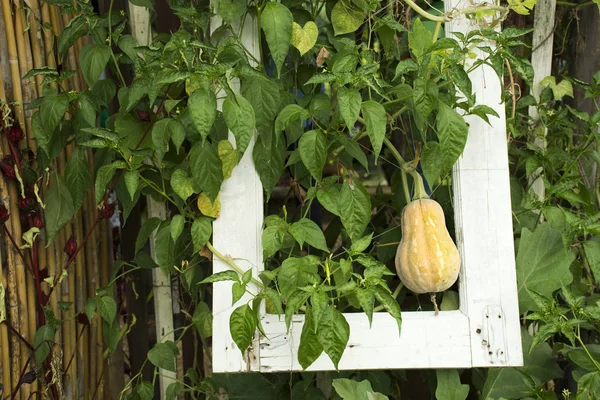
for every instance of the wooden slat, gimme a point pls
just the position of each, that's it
(488, 284)
(426, 341)
(237, 233)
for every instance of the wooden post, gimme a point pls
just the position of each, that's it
(163, 299)
(541, 60)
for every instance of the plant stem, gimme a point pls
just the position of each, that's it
(229, 261)
(423, 13)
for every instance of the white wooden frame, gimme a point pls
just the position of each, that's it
(484, 332)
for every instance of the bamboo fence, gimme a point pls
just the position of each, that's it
(26, 42)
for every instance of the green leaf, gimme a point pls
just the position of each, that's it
(242, 324)
(165, 130)
(76, 28)
(354, 150)
(360, 245)
(269, 160)
(272, 239)
(59, 208)
(52, 110)
(107, 308)
(146, 230)
(333, 334)
(588, 385)
(542, 264)
(132, 181)
(164, 248)
(425, 99)
(297, 272)
(104, 176)
(239, 118)
(376, 120)
(452, 131)
(229, 10)
(265, 100)
(366, 299)
(228, 275)
(163, 355)
(237, 291)
(352, 390)
(90, 308)
(182, 184)
(276, 22)
(508, 382)
(449, 386)
(329, 197)
(320, 302)
(304, 38)
(43, 342)
(144, 390)
(104, 91)
(93, 59)
(173, 390)
(176, 226)
(432, 162)
(419, 39)
(292, 113)
(202, 106)
(202, 320)
(77, 177)
(307, 231)
(313, 152)
(201, 231)
(309, 349)
(390, 304)
(206, 167)
(355, 208)
(349, 102)
(346, 18)
(404, 67)
(592, 254)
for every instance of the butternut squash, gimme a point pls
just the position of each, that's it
(427, 260)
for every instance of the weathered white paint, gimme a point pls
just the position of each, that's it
(483, 220)
(237, 232)
(484, 332)
(161, 282)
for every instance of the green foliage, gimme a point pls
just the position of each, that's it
(339, 94)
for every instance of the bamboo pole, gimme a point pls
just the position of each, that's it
(92, 286)
(5, 354)
(37, 49)
(13, 61)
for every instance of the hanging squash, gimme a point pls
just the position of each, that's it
(427, 260)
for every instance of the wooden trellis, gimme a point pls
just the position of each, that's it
(484, 332)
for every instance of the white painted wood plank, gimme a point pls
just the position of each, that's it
(426, 341)
(139, 18)
(237, 233)
(483, 220)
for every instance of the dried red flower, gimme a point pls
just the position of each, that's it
(143, 115)
(107, 211)
(26, 203)
(3, 213)
(70, 247)
(82, 318)
(7, 167)
(37, 221)
(15, 133)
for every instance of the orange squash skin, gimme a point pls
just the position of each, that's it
(427, 260)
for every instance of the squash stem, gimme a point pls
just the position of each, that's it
(420, 192)
(435, 306)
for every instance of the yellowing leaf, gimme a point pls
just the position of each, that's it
(521, 6)
(207, 207)
(346, 18)
(304, 38)
(564, 88)
(229, 157)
